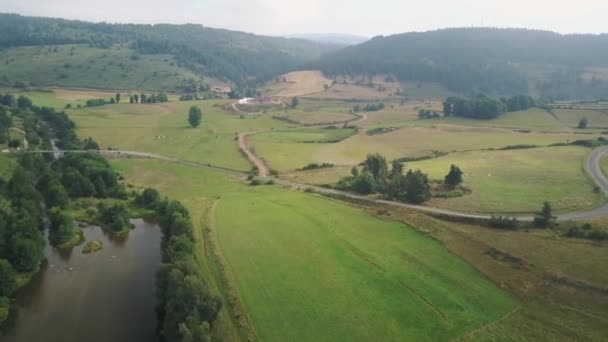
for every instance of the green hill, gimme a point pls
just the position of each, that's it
(118, 67)
(493, 61)
(45, 51)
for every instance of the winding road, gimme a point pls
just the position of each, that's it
(592, 167)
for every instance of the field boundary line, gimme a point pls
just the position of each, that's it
(489, 325)
(236, 309)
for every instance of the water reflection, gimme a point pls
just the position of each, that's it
(108, 295)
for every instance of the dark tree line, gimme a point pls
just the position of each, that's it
(143, 98)
(482, 107)
(371, 107)
(187, 309)
(21, 239)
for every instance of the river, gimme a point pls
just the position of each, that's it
(109, 295)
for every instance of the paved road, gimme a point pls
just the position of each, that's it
(592, 167)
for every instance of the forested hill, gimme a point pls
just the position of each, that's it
(238, 57)
(470, 60)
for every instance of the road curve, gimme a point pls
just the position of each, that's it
(592, 167)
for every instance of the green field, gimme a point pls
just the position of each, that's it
(517, 180)
(366, 278)
(118, 67)
(163, 128)
(288, 154)
(511, 181)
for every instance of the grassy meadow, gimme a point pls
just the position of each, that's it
(517, 180)
(163, 128)
(286, 155)
(366, 278)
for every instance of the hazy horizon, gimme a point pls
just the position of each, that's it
(274, 17)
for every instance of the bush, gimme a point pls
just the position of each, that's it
(503, 222)
(315, 166)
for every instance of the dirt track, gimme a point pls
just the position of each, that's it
(259, 163)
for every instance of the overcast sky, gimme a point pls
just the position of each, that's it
(361, 17)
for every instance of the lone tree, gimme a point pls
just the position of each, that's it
(583, 123)
(194, 116)
(117, 97)
(545, 217)
(454, 177)
(295, 102)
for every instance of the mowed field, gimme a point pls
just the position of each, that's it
(406, 142)
(517, 180)
(297, 83)
(312, 269)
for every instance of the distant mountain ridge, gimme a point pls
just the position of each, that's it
(331, 38)
(241, 58)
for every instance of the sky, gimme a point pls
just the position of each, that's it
(360, 17)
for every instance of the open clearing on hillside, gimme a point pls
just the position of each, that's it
(297, 83)
(58, 98)
(329, 271)
(75, 65)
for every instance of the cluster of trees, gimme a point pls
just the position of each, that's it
(412, 187)
(482, 107)
(114, 216)
(371, 107)
(587, 231)
(143, 98)
(427, 114)
(62, 227)
(88, 175)
(187, 309)
(21, 239)
(6, 122)
(518, 102)
(152, 98)
(375, 176)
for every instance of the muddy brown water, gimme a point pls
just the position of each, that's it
(109, 295)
